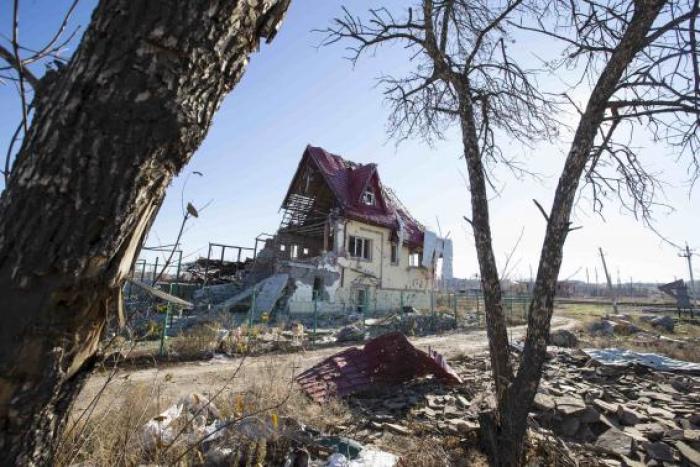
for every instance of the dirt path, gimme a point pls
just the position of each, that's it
(208, 377)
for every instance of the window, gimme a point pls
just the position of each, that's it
(394, 253)
(368, 197)
(359, 247)
(294, 254)
(414, 259)
(283, 247)
(305, 252)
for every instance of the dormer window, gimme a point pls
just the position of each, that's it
(368, 197)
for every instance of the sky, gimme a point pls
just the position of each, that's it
(296, 93)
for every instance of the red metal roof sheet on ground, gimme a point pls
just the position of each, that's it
(387, 359)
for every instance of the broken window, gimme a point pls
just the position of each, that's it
(294, 254)
(283, 247)
(305, 252)
(368, 197)
(359, 247)
(415, 258)
(394, 253)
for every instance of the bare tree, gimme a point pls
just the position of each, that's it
(108, 131)
(464, 73)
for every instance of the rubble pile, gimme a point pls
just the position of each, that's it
(607, 415)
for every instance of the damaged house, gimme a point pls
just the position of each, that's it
(347, 242)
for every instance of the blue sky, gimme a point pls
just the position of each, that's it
(295, 93)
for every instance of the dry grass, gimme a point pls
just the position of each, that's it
(682, 343)
(112, 435)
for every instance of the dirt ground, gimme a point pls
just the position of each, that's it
(208, 377)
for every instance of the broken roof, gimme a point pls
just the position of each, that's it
(348, 180)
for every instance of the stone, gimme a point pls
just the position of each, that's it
(625, 328)
(660, 451)
(664, 322)
(563, 338)
(614, 440)
(568, 426)
(688, 453)
(605, 406)
(569, 405)
(397, 429)
(462, 401)
(463, 426)
(659, 412)
(544, 402)
(350, 333)
(628, 416)
(603, 327)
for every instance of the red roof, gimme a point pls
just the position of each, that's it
(347, 180)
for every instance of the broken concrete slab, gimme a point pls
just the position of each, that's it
(616, 441)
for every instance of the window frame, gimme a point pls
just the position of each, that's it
(419, 256)
(369, 198)
(365, 248)
(394, 256)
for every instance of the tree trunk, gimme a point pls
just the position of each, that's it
(109, 132)
(493, 431)
(506, 432)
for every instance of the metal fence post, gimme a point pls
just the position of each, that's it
(401, 300)
(313, 336)
(454, 297)
(163, 334)
(250, 312)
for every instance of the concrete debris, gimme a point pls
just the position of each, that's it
(563, 338)
(389, 359)
(621, 357)
(349, 333)
(606, 414)
(267, 293)
(665, 322)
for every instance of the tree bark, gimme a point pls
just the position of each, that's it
(507, 430)
(110, 131)
(497, 436)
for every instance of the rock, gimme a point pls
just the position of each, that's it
(628, 416)
(660, 451)
(568, 426)
(397, 429)
(602, 327)
(463, 402)
(625, 328)
(682, 384)
(544, 402)
(659, 412)
(683, 435)
(665, 322)
(614, 440)
(569, 405)
(605, 406)
(462, 426)
(563, 338)
(350, 333)
(619, 317)
(688, 453)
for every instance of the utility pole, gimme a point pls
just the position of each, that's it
(607, 277)
(596, 280)
(588, 283)
(688, 255)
